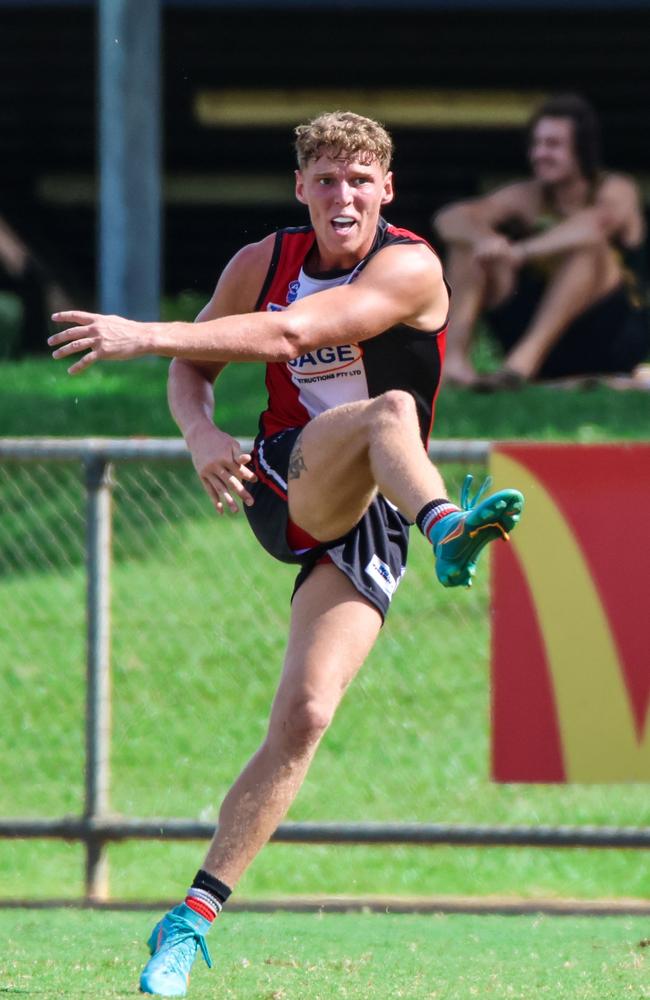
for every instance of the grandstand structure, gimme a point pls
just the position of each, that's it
(453, 81)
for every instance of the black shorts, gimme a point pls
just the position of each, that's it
(611, 336)
(372, 555)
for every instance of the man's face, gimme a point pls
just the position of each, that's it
(552, 151)
(344, 198)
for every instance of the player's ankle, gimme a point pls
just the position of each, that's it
(433, 513)
(207, 895)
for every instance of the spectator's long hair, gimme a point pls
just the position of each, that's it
(586, 129)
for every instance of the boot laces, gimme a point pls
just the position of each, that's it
(182, 946)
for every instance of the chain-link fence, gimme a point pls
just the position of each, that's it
(198, 617)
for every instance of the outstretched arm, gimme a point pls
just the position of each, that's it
(402, 284)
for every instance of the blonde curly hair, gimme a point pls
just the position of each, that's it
(345, 136)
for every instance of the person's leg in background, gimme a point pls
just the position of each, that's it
(475, 286)
(583, 277)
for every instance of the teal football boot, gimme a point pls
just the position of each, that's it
(173, 944)
(459, 537)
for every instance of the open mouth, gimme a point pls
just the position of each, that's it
(343, 224)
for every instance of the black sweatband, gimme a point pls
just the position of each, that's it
(203, 880)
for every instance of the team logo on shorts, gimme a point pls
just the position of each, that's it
(381, 574)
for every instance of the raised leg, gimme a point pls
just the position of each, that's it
(346, 455)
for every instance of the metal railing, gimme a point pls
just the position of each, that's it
(98, 826)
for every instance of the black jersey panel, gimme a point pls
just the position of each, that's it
(404, 358)
(270, 274)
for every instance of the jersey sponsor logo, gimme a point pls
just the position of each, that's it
(325, 361)
(378, 571)
(273, 307)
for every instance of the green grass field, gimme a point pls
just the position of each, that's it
(67, 953)
(411, 741)
(38, 398)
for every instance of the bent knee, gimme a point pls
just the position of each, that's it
(303, 723)
(595, 251)
(396, 404)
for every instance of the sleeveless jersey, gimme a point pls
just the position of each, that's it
(398, 358)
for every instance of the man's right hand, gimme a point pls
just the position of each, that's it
(222, 467)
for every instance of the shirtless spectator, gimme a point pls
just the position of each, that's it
(554, 264)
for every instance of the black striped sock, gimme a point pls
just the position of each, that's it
(207, 895)
(432, 512)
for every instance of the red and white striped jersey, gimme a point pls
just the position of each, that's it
(398, 358)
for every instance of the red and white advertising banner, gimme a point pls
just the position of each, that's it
(571, 616)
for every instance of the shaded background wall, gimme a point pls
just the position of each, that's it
(472, 75)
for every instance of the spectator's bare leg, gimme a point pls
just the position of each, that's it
(583, 278)
(40, 294)
(475, 286)
(13, 252)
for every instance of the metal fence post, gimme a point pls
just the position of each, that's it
(98, 686)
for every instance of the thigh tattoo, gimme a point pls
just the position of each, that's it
(296, 462)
